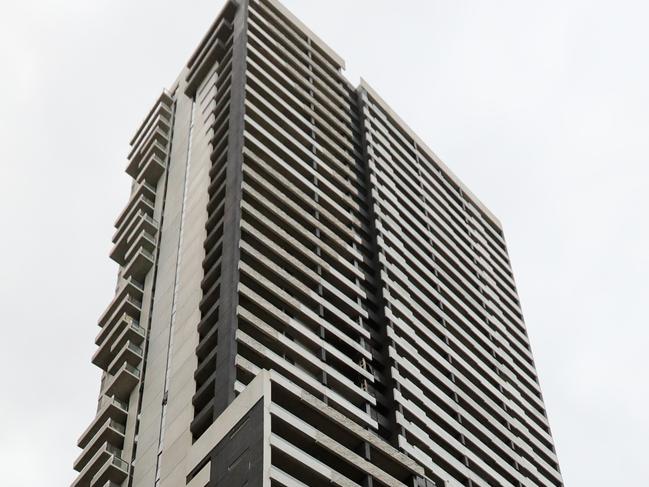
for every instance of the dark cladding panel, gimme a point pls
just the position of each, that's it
(237, 460)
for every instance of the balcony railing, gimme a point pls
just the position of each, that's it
(124, 303)
(157, 132)
(104, 456)
(143, 240)
(133, 226)
(152, 168)
(155, 141)
(126, 330)
(138, 202)
(114, 472)
(139, 167)
(129, 352)
(143, 190)
(161, 109)
(110, 408)
(140, 261)
(113, 331)
(110, 432)
(123, 382)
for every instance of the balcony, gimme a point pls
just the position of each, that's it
(142, 199)
(152, 169)
(127, 298)
(110, 409)
(140, 260)
(106, 455)
(126, 301)
(155, 135)
(109, 433)
(123, 382)
(140, 167)
(129, 353)
(157, 131)
(113, 473)
(161, 110)
(110, 333)
(128, 232)
(126, 330)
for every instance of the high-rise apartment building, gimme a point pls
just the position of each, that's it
(307, 296)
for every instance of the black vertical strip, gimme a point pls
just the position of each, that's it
(238, 458)
(388, 380)
(229, 300)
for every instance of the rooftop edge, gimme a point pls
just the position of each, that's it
(366, 86)
(308, 32)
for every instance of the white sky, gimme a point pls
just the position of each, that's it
(541, 108)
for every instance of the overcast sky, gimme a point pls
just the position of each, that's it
(541, 108)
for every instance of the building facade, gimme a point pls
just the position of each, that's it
(307, 296)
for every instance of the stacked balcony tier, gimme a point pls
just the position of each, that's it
(121, 340)
(110, 409)
(126, 306)
(100, 460)
(106, 465)
(135, 240)
(150, 145)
